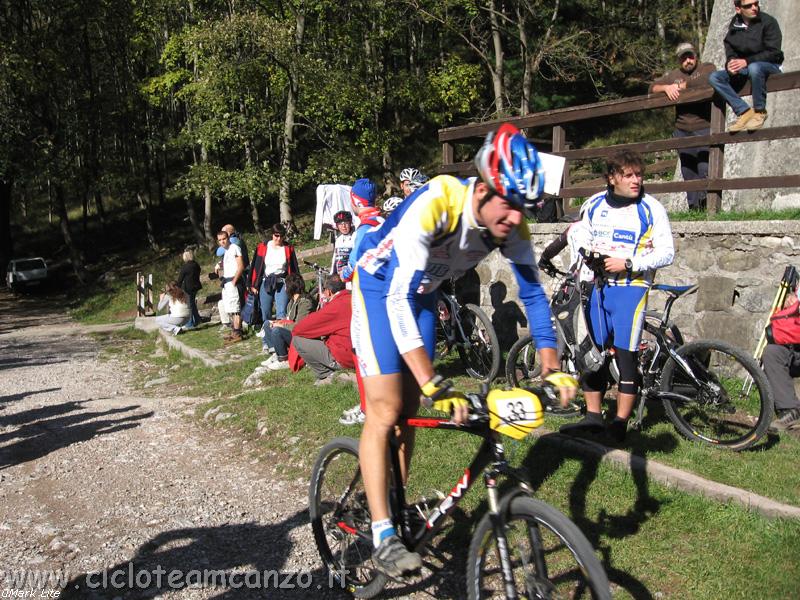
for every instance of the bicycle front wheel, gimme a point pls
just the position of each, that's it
(479, 350)
(724, 408)
(341, 521)
(549, 556)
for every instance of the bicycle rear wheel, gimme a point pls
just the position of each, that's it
(723, 409)
(550, 557)
(340, 519)
(480, 350)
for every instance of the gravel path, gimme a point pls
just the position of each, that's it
(94, 479)
(107, 494)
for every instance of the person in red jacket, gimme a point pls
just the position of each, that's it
(781, 360)
(322, 339)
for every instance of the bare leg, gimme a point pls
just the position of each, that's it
(593, 401)
(624, 404)
(384, 406)
(406, 435)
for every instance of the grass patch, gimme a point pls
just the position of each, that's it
(788, 214)
(654, 541)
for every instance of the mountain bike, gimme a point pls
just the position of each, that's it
(521, 548)
(703, 385)
(468, 330)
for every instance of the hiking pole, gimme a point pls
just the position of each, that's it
(788, 284)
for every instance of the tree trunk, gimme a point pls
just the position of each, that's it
(527, 79)
(210, 238)
(197, 230)
(6, 241)
(74, 253)
(288, 128)
(98, 204)
(497, 71)
(144, 204)
(248, 159)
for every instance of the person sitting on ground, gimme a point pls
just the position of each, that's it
(189, 282)
(752, 51)
(230, 278)
(322, 339)
(179, 313)
(273, 261)
(781, 359)
(278, 333)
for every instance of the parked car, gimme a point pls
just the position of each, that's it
(26, 272)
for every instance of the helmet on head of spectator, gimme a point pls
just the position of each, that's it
(391, 203)
(343, 216)
(510, 166)
(362, 194)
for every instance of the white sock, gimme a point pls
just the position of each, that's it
(381, 530)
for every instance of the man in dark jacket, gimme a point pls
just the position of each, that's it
(322, 339)
(691, 119)
(752, 51)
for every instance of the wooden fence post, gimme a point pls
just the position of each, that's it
(716, 156)
(559, 145)
(150, 294)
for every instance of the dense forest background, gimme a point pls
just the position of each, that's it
(109, 107)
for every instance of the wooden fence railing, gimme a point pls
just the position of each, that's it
(144, 294)
(716, 140)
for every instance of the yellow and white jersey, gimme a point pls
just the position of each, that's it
(433, 236)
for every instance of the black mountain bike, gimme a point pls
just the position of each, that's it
(703, 385)
(468, 330)
(521, 548)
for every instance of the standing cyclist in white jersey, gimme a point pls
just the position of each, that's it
(443, 229)
(631, 232)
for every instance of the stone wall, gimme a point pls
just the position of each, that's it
(737, 264)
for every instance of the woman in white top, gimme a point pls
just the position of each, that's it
(273, 260)
(179, 311)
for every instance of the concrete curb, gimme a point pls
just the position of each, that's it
(672, 477)
(149, 324)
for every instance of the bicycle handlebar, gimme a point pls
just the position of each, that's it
(315, 266)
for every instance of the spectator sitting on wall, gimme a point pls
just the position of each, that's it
(322, 339)
(752, 51)
(179, 313)
(278, 333)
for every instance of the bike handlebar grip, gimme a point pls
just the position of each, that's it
(434, 389)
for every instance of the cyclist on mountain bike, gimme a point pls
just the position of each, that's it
(439, 232)
(630, 233)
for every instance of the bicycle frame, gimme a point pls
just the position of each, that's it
(489, 460)
(451, 323)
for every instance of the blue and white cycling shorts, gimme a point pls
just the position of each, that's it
(375, 348)
(618, 312)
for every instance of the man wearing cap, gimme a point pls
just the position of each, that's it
(752, 51)
(691, 119)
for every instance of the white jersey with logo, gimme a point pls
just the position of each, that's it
(639, 231)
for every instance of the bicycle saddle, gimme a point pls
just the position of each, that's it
(676, 290)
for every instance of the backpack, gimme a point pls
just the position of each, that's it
(569, 309)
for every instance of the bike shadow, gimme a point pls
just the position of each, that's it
(553, 451)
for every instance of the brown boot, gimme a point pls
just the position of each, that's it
(741, 123)
(235, 337)
(757, 120)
